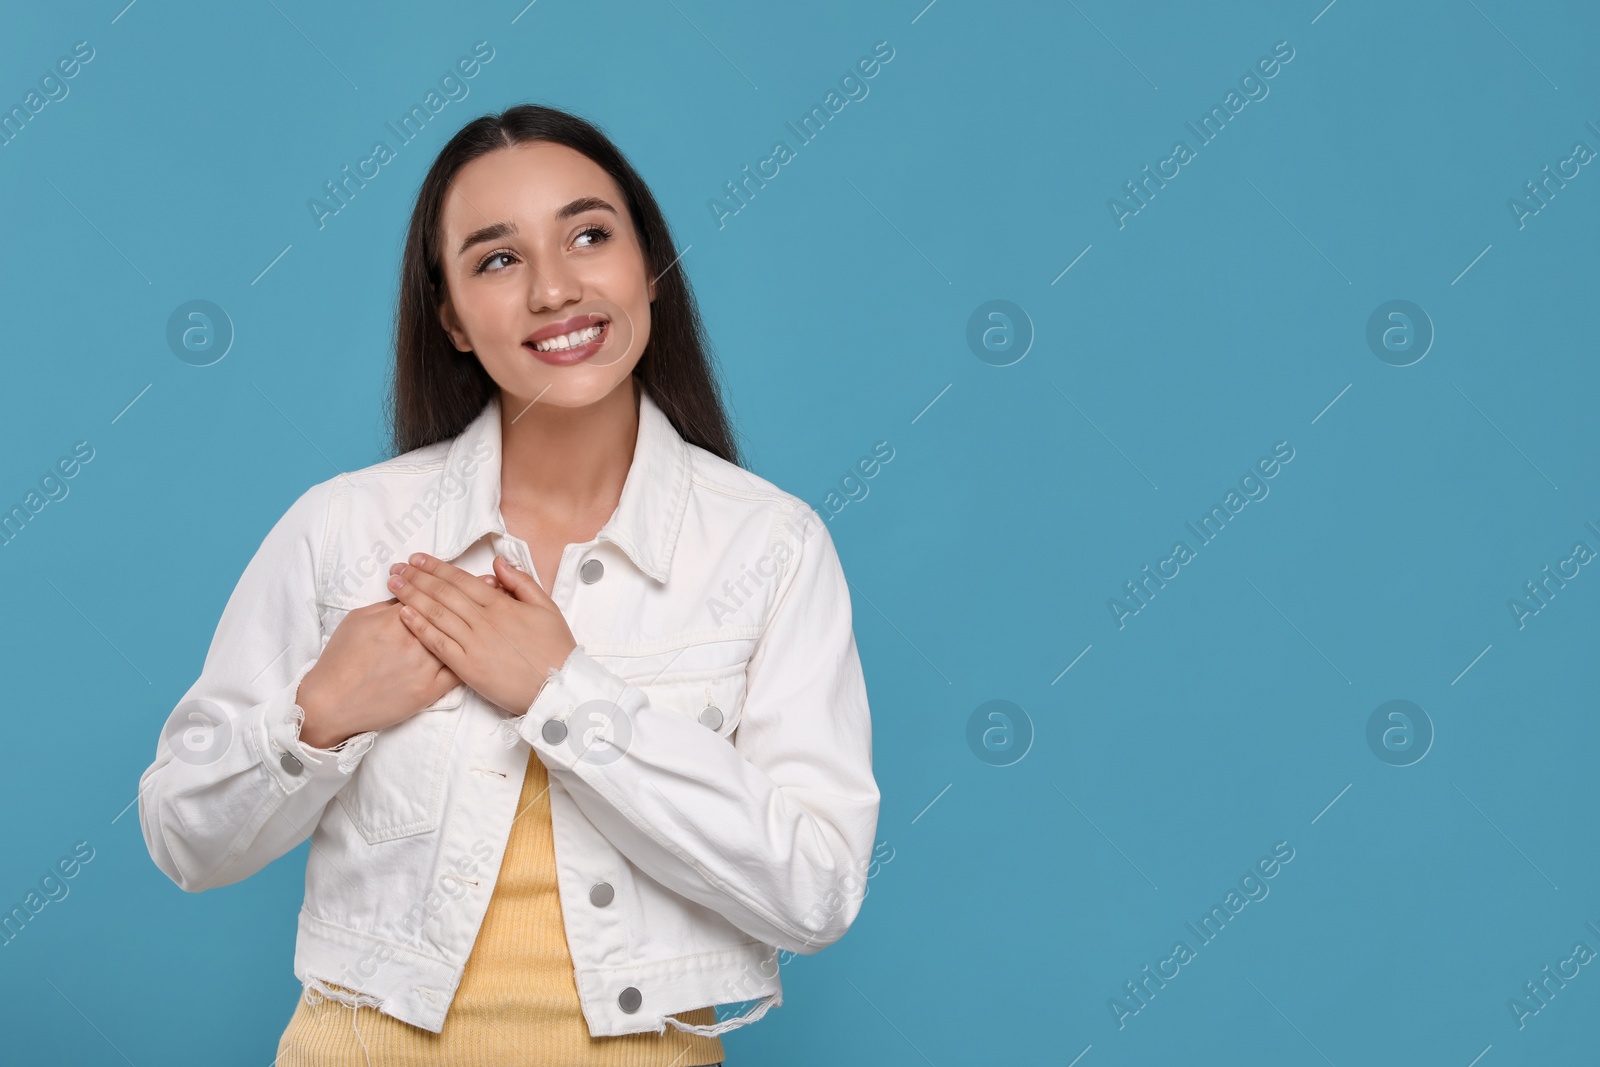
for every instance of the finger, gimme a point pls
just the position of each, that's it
(444, 648)
(488, 579)
(403, 566)
(450, 574)
(467, 605)
(410, 631)
(434, 611)
(519, 583)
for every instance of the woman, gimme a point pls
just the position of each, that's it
(568, 701)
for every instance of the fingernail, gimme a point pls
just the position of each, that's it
(395, 581)
(418, 559)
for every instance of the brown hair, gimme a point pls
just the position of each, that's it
(437, 389)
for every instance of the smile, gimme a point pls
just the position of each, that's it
(570, 340)
(574, 346)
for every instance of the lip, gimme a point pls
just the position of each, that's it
(569, 356)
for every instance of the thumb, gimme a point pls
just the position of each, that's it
(518, 583)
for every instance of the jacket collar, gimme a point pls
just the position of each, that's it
(649, 514)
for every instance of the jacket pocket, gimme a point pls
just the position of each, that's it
(714, 699)
(398, 788)
(330, 616)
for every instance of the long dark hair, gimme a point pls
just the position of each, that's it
(437, 389)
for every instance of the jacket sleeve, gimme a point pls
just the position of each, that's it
(774, 831)
(232, 787)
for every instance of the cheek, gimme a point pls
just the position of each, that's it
(641, 324)
(626, 303)
(622, 284)
(495, 322)
(478, 307)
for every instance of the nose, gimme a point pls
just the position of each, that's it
(553, 283)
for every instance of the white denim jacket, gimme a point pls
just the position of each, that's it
(708, 743)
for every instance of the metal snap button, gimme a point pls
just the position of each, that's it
(711, 717)
(591, 571)
(602, 894)
(291, 763)
(630, 999)
(554, 731)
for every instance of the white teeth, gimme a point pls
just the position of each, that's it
(570, 340)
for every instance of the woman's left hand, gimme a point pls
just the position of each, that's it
(499, 641)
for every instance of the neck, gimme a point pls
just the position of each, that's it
(563, 463)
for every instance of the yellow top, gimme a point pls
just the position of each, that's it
(518, 999)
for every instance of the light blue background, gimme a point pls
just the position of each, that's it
(1229, 314)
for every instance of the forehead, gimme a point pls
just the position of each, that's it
(524, 183)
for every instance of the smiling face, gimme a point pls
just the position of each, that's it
(545, 278)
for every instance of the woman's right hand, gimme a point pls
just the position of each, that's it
(373, 673)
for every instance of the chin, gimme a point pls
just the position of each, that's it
(568, 387)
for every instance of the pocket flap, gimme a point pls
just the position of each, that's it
(715, 701)
(451, 700)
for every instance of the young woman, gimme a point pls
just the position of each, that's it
(568, 702)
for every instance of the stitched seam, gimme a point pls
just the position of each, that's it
(398, 466)
(695, 639)
(319, 563)
(786, 583)
(688, 961)
(705, 481)
(709, 674)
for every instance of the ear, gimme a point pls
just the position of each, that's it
(447, 319)
(652, 290)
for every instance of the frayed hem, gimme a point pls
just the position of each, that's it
(507, 730)
(772, 1000)
(317, 990)
(347, 755)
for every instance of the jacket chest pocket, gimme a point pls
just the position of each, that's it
(714, 699)
(398, 788)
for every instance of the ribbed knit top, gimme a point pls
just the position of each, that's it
(518, 1000)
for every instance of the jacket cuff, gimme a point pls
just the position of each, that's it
(548, 724)
(293, 762)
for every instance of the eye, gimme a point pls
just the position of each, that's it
(605, 234)
(600, 233)
(483, 264)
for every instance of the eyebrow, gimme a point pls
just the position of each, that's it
(497, 230)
